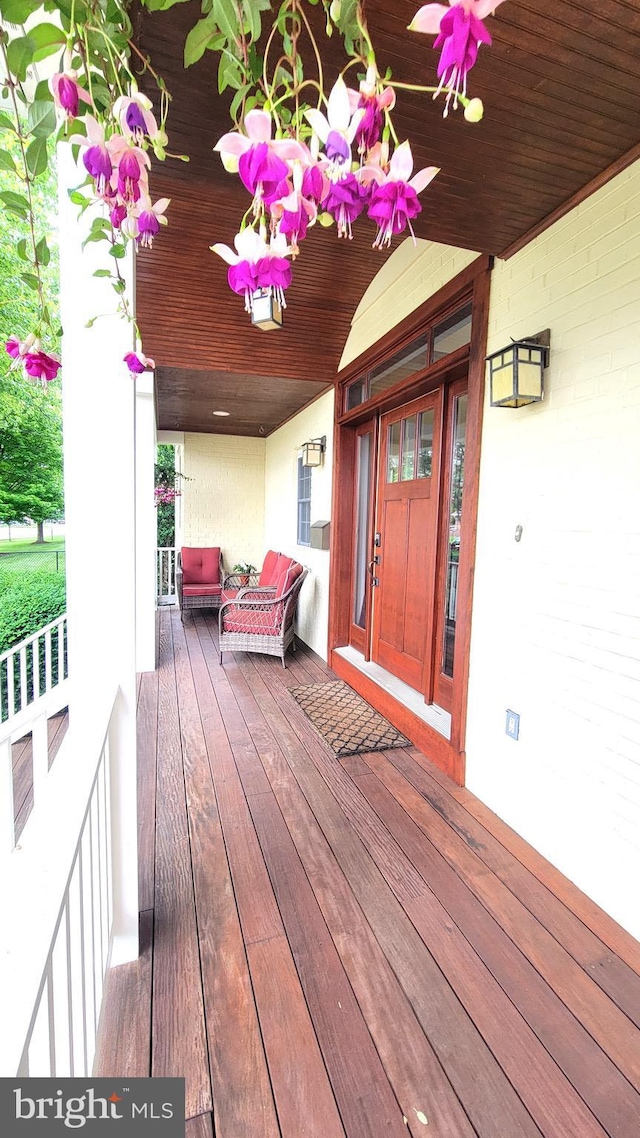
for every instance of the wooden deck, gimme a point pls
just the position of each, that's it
(22, 762)
(355, 948)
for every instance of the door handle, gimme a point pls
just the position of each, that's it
(374, 579)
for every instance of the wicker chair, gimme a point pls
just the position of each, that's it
(266, 578)
(257, 622)
(199, 578)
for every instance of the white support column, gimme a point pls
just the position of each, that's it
(146, 525)
(100, 475)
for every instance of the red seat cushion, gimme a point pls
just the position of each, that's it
(202, 590)
(200, 566)
(267, 573)
(287, 578)
(229, 595)
(260, 622)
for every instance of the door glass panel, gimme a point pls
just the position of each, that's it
(393, 452)
(455, 516)
(362, 530)
(452, 333)
(425, 444)
(408, 449)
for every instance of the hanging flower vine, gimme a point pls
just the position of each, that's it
(302, 154)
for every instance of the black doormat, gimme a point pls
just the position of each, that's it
(346, 721)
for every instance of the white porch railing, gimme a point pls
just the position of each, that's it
(57, 897)
(34, 668)
(166, 575)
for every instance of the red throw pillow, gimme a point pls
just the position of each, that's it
(287, 578)
(267, 573)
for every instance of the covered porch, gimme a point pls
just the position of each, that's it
(351, 947)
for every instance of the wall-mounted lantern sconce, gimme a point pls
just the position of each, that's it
(313, 452)
(516, 373)
(266, 311)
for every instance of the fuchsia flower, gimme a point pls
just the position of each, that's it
(460, 31)
(345, 202)
(145, 223)
(137, 363)
(374, 104)
(257, 265)
(394, 198)
(337, 129)
(136, 118)
(97, 158)
(67, 93)
(130, 178)
(293, 213)
(15, 348)
(41, 365)
(262, 161)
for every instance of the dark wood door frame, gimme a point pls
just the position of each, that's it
(473, 285)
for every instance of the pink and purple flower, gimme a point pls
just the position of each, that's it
(460, 31)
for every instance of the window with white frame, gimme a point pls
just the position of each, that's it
(304, 504)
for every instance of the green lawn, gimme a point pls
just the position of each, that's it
(30, 546)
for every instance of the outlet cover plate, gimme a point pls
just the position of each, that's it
(513, 724)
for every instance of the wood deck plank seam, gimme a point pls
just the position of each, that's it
(262, 667)
(450, 905)
(411, 1122)
(518, 924)
(547, 909)
(235, 904)
(297, 721)
(276, 937)
(269, 797)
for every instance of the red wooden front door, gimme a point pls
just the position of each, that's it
(407, 524)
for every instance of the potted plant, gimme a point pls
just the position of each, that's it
(244, 569)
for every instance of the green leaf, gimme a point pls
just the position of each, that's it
(41, 119)
(30, 279)
(77, 198)
(43, 252)
(6, 161)
(94, 236)
(6, 122)
(37, 157)
(236, 102)
(225, 15)
(18, 11)
(47, 38)
(19, 55)
(42, 91)
(229, 73)
(118, 251)
(102, 273)
(21, 249)
(199, 39)
(15, 203)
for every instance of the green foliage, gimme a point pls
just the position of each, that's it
(30, 602)
(165, 475)
(30, 451)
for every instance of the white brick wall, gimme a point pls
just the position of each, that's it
(410, 276)
(283, 447)
(556, 632)
(224, 504)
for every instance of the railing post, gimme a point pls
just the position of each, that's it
(146, 525)
(124, 835)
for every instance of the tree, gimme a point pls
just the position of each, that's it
(31, 485)
(30, 453)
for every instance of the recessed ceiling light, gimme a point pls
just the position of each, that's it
(222, 413)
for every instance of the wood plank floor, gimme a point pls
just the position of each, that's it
(352, 948)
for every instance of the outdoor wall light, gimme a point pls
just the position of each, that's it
(313, 452)
(516, 373)
(266, 310)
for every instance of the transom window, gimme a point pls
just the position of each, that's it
(444, 337)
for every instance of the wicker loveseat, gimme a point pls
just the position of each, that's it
(199, 578)
(261, 619)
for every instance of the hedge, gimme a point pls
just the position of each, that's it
(30, 602)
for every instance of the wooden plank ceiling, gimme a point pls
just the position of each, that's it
(562, 104)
